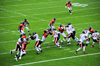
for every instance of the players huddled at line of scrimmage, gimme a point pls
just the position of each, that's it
(23, 40)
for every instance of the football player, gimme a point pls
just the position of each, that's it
(69, 5)
(72, 29)
(51, 24)
(56, 36)
(95, 38)
(21, 28)
(44, 36)
(70, 34)
(82, 45)
(91, 32)
(18, 46)
(86, 33)
(38, 42)
(25, 23)
(23, 50)
(61, 29)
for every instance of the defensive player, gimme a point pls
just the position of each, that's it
(23, 50)
(38, 42)
(51, 24)
(82, 45)
(55, 34)
(18, 46)
(70, 34)
(25, 23)
(86, 33)
(72, 29)
(69, 5)
(61, 31)
(95, 38)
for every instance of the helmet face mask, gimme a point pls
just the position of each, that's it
(60, 25)
(95, 30)
(69, 23)
(34, 33)
(83, 32)
(54, 18)
(90, 28)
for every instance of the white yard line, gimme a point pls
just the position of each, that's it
(40, 14)
(11, 1)
(34, 3)
(58, 59)
(57, 19)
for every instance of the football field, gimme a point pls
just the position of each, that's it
(39, 13)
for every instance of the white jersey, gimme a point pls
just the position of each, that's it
(68, 30)
(82, 37)
(36, 37)
(95, 35)
(56, 33)
(71, 27)
(19, 41)
(86, 32)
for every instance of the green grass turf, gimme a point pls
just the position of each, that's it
(39, 13)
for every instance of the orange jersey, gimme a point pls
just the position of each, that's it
(60, 30)
(91, 31)
(52, 21)
(45, 35)
(24, 37)
(69, 5)
(24, 46)
(22, 26)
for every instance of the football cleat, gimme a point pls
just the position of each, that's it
(38, 52)
(41, 50)
(59, 47)
(92, 46)
(69, 43)
(11, 52)
(70, 13)
(75, 51)
(19, 57)
(84, 52)
(15, 55)
(16, 59)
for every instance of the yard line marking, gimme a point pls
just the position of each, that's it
(57, 19)
(11, 1)
(8, 41)
(54, 7)
(34, 3)
(58, 59)
(31, 49)
(12, 11)
(44, 2)
(46, 13)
